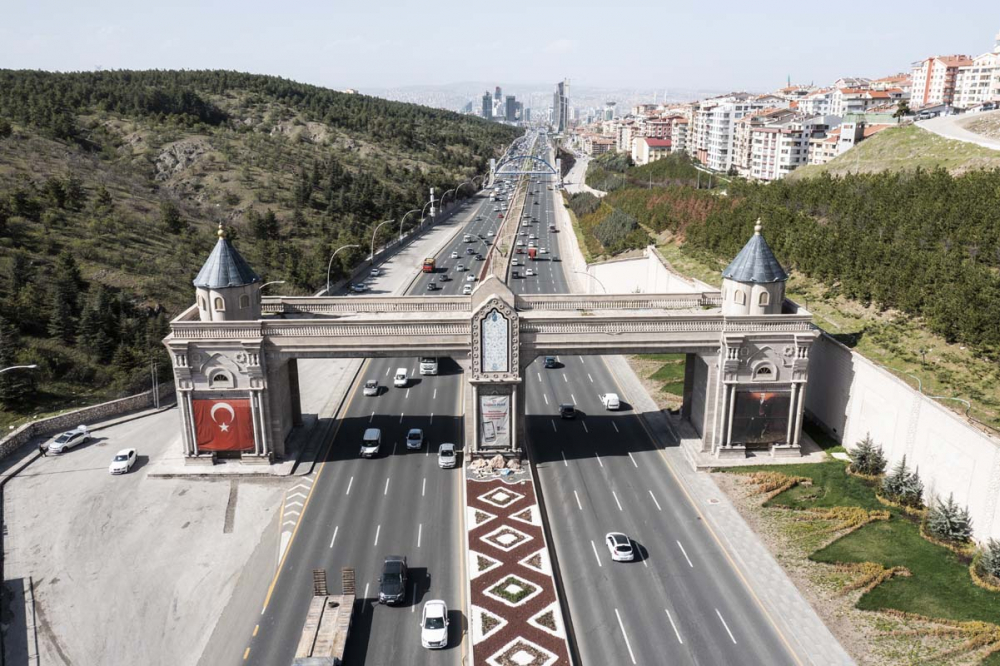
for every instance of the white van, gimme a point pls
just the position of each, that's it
(611, 401)
(399, 381)
(370, 442)
(428, 365)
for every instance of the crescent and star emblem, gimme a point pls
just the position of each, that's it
(224, 427)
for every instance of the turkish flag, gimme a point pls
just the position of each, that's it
(223, 425)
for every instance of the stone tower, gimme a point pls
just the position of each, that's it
(227, 288)
(754, 283)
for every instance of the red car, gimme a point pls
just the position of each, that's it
(499, 214)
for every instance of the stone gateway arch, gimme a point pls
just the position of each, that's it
(235, 354)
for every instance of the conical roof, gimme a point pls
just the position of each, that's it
(755, 263)
(225, 267)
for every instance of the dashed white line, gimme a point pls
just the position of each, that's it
(563, 454)
(632, 459)
(676, 633)
(590, 378)
(721, 619)
(584, 423)
(546, 398)
(616, 426)
(434, 397)
(366, 589)
(581, 359)
(423, 487)
(386, 491)
(616, 500)
(378, 531)
(432, 418)
(420, 532)
(387, 372)
(539, 376)
(554, 429)
(401, 416)
(335, 529)
(598, 459)
(625, 636)
(596, 556)
(371, 417)
(654, 501)
(690, 564)
(564, 379)
(407, 394)
(573, 397)
(349, 484)
(580, 506)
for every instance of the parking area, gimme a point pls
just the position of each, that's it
(130, 568)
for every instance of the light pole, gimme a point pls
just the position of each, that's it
(444, 195)
(373, 238)
(20, 367)
(415, 210)
(594, 279)
(330, 265)
(266, 284)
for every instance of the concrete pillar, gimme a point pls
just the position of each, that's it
(689, 361)
(293, 391)
(792, 411)
(729, 415)
(715, 398)
(519, 427)
(798, 415)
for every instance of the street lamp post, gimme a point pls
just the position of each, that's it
(415, 210)
(267, 284)
(373, 237)
(329, 266)
(20, 367)
(444, 195)
(594, 279)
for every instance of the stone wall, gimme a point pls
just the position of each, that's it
(648, 274)
(851, 396)
(85, 416)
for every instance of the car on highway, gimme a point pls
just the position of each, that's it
(69, 439)
(454, 254)
(550, 361)
(432, 286)
(371, 387)
(523, 233)
(444, 278)
(392, 582)
(567, 411)
(520, 243)
(359, 287)
(434, 624)
(446, 456)
(532, 237)
(467, 289)
(470, 250)
(470, 278)
(620, 547)
(399, 380)
(543, 250)
(491, 234)
(515, 275)
(529, 273)
(415, 439)
(515, 262)
(375, 272)
(123, 461)
(479, 257)
(370, 442)
(611, 401)
(460, 267)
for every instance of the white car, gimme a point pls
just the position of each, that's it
(370, 443)
(610, 401)
(491, 234)
(123, 462)
(620, 547)
(415, 439)
(454, 254)
(529, 273)
(467, 290)
(399, 379)
(470, 278)
(532, 237)
(543, 250)
(371, 387)
(69, 439)
(446, 456)
(375, 272)
(460, 267)
(434, 624)
(515, 262)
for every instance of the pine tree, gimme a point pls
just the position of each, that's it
(867, 458)
(989, 560)
(903, 486)
(949, 522)
(170, 217)
(62, 322)
(5, 128)
(913, 491)
(14, 383)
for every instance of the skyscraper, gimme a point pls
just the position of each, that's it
(487, 105)
(560, 106)
(510, 113)
(497, 96)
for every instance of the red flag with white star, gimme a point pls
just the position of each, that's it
(223, 425)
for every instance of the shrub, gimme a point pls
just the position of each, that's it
(867, 458)
(584, 203)
(949, 522)
(619, 231)
(903, 486)
(989, 560)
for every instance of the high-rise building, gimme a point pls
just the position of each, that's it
(510, 109)
(934, 79)
(609, 110)
(497, 96)
(487, 105)
(518, 111)
(560, 106)
(527, 115)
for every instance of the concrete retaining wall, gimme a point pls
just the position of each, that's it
(648, 274)
(852, 396)
(85, 416)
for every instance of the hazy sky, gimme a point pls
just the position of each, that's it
(723, 44)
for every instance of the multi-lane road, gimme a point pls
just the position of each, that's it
(681, 602)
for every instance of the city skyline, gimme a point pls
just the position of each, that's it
(355, 47)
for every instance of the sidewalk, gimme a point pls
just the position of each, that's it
(953, 127)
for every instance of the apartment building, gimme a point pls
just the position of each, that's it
(646, 149)
(934, 80)
(779, 148)
(743, 139)
(720, 122)
(980, 81)
(816, 103)
(846, 101)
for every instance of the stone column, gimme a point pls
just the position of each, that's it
(689, 361)
(293, 391)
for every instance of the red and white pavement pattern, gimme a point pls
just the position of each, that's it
(515, 615)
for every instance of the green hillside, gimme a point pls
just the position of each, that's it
(905, 149)
(112, 184)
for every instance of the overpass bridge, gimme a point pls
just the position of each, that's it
(747, 352)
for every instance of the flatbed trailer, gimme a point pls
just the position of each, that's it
(328, 622)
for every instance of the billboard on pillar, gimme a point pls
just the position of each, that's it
(223, 425)
(494, 421)
(761, 417)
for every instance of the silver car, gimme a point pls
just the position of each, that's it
(446, 456)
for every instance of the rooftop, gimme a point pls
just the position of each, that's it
(755, 263)
(225, 267)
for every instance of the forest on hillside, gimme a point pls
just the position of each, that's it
(112, 184)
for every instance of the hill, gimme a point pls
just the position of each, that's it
(112, 183)
(906, 148)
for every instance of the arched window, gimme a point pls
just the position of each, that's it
(765, 372)
(764, 298)
(739, 297)
(220, 379)
(219, 304)
(201, 302)
(244, 302)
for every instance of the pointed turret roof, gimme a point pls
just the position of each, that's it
(755, 263)
(225, 267)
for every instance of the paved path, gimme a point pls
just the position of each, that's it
(953, 127)
(575, 179)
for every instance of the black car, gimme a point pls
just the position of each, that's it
(550, 361)
(445, 278)
(567, 411)
(392, 582)
(431, 286)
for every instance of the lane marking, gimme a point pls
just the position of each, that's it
(654, 501)
(366, 595)
(423, 486)
(616, 426)
(387, 372)
(420, 532)
(335, 530)
(255, 630)
(564, 379)
(432, 418)
(378, 530)
(596, 556)
(546, 398)
(394, 445)
(580, 506)
(591, 378)
(633, 460)
(676, 633)
(573, 397)
(565, 464)
(349, 484)
(585, 426)
(721, 619)
(407, 394)
(401, 416)
(690, 564)
(539, 376)
(554, 429)
(435, 396)
(625, 636)
(246, 654)
(386, 491)
(581, 359)
(598, 459)
(371, 417)
(616, 500)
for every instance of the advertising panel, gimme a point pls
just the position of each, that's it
(494, 418)
(223, 425)
(761, 418)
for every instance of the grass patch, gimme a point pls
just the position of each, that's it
(670, 375)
